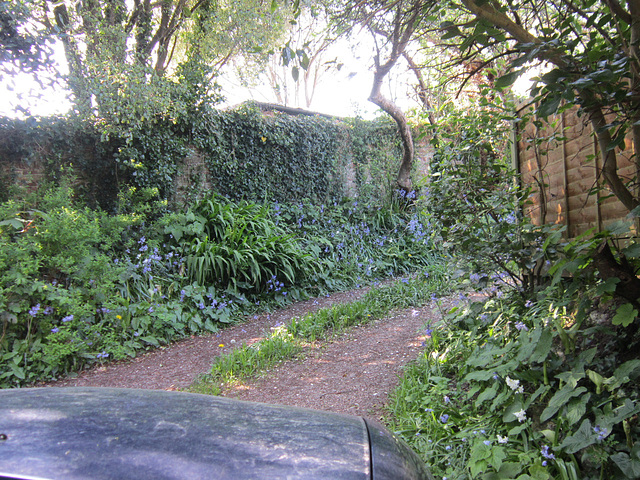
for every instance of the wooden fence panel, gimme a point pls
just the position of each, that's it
(560, 161)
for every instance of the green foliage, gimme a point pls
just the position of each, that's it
(356, 243)
(514, 389)
(255, 157)
(237, 247)
(581, 48)
(247, 154)
(79, 286)
(476, 205)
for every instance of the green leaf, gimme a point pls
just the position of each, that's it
(579, 440)
(507, 79)
(295, 73)
(487, 394)
(629, 464)
(560, 399)
(625, 315)
(632, 251)
(577, 408)
(608, 286)
(152, 340)
(544, 346)
(548, 106)
(626, 370)
(14, 222)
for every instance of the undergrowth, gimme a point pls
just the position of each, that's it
(515, 389)
(80, 286)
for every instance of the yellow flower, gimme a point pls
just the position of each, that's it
(264, 139)
(221, 345)
(119, 317)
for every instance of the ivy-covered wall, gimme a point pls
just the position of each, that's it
(244, 153)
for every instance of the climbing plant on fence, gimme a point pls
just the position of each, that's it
(247, 154)
(253, 156)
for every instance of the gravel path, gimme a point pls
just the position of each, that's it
(350, 373)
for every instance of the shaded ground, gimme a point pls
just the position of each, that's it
(351, 373)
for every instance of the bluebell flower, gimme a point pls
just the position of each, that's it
(68, 318)
(55, 330)
(546, 453)
(34, 310)
(444, 418)
(602, 432)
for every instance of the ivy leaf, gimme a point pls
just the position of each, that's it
(295, 73)
(625, 315)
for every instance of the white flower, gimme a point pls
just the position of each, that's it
(502, 439)
(513, 384)
(521, 415)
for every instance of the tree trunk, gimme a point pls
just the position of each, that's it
(608, 267)
(404, 173)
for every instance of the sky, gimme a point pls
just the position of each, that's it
(341, 93)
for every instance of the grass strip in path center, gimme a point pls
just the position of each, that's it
(289, 341)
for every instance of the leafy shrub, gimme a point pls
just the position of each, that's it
(514, 389)
(78, 286)
(237, 247)
(356, 243)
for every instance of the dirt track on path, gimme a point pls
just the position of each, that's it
(351, 373)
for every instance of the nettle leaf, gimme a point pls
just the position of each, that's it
(625, 315)
(579, 440)
(608, 286)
